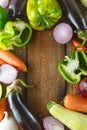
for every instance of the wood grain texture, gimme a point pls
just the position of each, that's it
(44, 54)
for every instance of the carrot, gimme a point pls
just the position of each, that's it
(75, 102)
(2, 62)
(10, 58)
(79, 46)
(3, 107)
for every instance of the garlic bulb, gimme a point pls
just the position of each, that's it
(8, 123)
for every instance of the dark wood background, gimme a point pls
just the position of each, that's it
(42, 56)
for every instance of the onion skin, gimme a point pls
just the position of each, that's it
(82, 87)
(7, 73)
(8, 123)
(4, 3)
(50, 123)
(63, 33)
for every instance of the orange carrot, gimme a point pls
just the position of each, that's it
(78, 46)
(2, 62)
(75, 102)
(10, 58)
(3, 107)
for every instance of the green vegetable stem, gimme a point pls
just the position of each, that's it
(43, 14)
(15, 33)
(73, 67)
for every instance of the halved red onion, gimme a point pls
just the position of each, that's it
(7, 73)
(4, 3)
(50, 123)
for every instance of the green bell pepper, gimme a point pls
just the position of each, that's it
(3, 17)
(15, 33)
(43, 14)
(73, 67)
(82, 34)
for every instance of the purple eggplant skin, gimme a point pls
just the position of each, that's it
(73, 13)
(23, 115)
(16, 7)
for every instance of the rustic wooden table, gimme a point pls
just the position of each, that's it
(42, 56)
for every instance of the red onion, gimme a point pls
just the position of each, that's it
(50, 123)
(7, 73)
(82, 87)
(4, 3)
(63, 33)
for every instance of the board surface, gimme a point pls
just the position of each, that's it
(42, 56)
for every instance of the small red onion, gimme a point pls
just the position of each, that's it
(7, 73)
(63, 33)
(50, 123)
(82, 87)
(4, 3)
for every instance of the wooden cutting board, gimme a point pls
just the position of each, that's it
(42, 56)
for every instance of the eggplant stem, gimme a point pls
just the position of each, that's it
(16, 86)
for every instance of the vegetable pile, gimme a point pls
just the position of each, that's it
(15, 32)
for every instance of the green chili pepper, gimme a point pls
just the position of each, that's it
(43, 14)
(15, 33)
(73, 67)
(3, 17)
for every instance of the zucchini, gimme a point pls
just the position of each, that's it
(72, 119)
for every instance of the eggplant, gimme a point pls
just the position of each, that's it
(16, 7)
(23, 115)
(73, 13)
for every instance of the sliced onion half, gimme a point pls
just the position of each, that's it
(50, 123)
(7, 73)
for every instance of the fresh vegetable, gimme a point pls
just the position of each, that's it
(15, 33)
(82, 34)
(63, 33)
(16, 7)
(84, 3)
(2, 62)
(16, 86)
(79, 46)
(10, 58)
(3, 17)
(4, 3)
(23, 114)
(43, 14)
(7, 73)
(0, 91)
(73, 67)
(8, 123)
(3, 107)
(82, 87)
(74, 14)
(50, 123)
(75, 102)
(72, 119)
